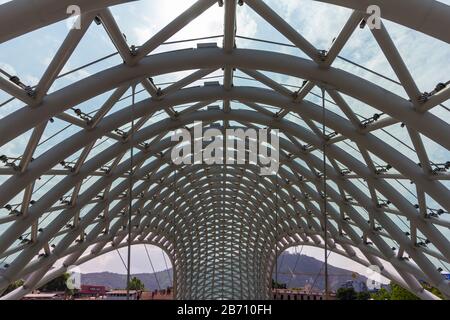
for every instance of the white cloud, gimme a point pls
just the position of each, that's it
(111, 261)
(207, 24)
(8, 68)
(246, 25)
(317, 22)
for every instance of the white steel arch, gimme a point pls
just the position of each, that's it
(224, 225)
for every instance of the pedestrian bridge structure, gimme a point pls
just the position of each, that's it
(86, 164)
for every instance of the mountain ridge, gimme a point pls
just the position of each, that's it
(293, 270)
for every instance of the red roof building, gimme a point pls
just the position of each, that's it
(92, 290)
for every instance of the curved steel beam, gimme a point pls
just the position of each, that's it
(398, 164)
(291, 177)
(25, 118)
(252, 117)
(37, 14)
(427, 16)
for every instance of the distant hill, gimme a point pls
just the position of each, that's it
(118, 281)
(305, 272)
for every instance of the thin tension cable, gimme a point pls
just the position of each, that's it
(130, 193)
(325, 217)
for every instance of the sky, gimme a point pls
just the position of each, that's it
(426, 58)
(141, 263)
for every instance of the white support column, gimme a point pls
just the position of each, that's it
(116, 35)
(421, 151)
(104, 109)
(229, 39)
(62, 55)
(82, 158)
(344, 106)
(195, 76)
(303, 91)
(196, 107)
(31, 146)
(438, 98)
(151, 88)
(395, 60)
(15, 91)
(283, 27)
(333, 52)
(268, 82)
(343, 37)
(27, 198)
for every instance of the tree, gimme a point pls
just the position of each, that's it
(381, 294)
(136, 284)
(364, 295)
(346, 294)
(57, 284)
(398, 293)
(277, 285)
(13, 286)
(433, 290)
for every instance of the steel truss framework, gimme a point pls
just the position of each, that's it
(223, 226)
